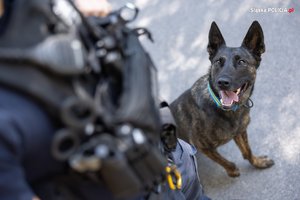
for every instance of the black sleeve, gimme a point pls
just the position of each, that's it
(12, 178)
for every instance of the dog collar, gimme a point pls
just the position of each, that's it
(217, 100)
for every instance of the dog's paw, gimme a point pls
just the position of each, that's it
(234, 172)
(262, 162)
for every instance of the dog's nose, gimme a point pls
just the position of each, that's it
(224, 82)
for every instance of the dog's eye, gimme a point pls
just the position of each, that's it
(242, 62)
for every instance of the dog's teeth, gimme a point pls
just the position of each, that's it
(238, 91)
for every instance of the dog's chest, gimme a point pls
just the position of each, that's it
(222, 128)
(224, 131)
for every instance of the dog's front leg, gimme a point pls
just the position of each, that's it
(261, 162)
(230, 167)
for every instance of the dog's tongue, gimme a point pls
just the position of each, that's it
(228, 97)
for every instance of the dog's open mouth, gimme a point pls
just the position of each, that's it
(228, 98)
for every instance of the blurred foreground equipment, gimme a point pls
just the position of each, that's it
(98, 83)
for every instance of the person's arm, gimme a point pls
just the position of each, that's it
(13, 183)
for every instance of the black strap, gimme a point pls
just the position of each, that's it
(168, 133)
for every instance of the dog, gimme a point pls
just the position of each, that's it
(216, 108)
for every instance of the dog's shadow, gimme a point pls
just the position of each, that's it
(211, 174)
(213, 177)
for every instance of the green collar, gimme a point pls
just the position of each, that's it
(217, 100)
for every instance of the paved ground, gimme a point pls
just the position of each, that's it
(180, 31)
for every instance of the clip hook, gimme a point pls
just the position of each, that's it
(174, 177)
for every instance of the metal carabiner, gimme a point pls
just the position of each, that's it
(174, 174)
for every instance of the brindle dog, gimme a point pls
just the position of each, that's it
(216, 108)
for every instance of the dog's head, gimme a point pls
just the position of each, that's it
(233, 70)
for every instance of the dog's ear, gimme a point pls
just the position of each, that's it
(254, 40)
(215, 40)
